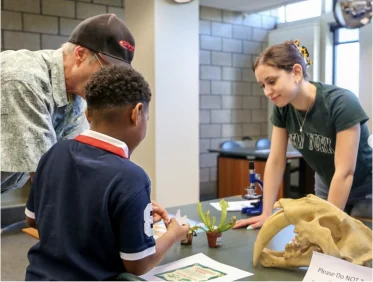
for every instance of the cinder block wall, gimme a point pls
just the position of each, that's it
(46, 24)
(232, 105)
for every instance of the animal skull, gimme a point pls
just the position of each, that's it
(319, 226)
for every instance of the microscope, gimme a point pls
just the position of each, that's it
(257, 206)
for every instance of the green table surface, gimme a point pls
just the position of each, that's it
(237, 246)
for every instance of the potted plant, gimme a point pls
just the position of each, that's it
(189, 238)
(213, 232)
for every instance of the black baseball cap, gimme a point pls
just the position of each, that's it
(106, 35)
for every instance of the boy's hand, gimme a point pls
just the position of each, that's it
(178, 232)
(159, 213)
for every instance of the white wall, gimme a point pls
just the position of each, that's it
(167, 54)
(365, 87)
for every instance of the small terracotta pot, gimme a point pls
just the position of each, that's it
(188, 240)
(214, 239)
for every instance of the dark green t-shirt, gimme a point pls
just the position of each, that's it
(335, 109)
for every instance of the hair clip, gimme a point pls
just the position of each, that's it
(303, 50)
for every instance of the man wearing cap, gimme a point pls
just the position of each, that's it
(42, 99)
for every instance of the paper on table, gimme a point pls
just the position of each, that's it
(198, 267)
(328, 268)
(235, 206)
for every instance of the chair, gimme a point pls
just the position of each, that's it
(227, 145)
(263, 143)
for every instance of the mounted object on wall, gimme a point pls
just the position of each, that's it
(353, 13)
(183, 1)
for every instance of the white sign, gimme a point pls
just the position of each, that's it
(328, 268)
(198, 267)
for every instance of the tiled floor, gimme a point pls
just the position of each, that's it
(14, 248)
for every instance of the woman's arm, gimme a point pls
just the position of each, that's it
(274, 169)
(346, 149)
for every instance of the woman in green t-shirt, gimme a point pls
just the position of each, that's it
(325, 123)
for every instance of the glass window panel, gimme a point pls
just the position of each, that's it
(303, 10)
(281, 14)
(345, 35)
(347, 66)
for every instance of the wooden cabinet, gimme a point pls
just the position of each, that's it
(233, 176)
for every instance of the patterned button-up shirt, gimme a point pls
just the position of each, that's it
(35, 112)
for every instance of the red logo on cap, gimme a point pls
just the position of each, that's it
(127, 46)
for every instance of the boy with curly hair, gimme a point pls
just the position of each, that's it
(89, 202)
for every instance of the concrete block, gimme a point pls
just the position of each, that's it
(259, 116)
(204, 57)
(221, 29)
(210, 102)
(231, 102)
(248, 75)
(249, 102)
(11, 20)
(232, 74)
(210, 14)
(119, 12)
(210, 72)
(213, 173)
(232, 45)
(221, 87)
(251, 47)
(253, 20)
(204, 87)
(204, 27)
(14, 40)
(32, 6)
(241, 88)
(231, 130)
(204, 174)
(210, 130)
(220, 116)
(242, 61)
(268, 22)
(41, 24)
(241, 116)
(264, 130)
(208, 160)
(86, 10)
(242, 32)
(251, 130)
(118, 3)
(204, 116)
(221, 59)
(204, 145)
(63, 8)
(68, 25)
(264, 103)
(232, 17)
(260, 34)
(52, 41)
(210, 43)
(215, 142)
(256, 90)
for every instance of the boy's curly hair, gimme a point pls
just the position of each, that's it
(116, 86)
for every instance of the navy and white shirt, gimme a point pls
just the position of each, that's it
(92, 209)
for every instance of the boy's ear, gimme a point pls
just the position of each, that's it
(136, 113)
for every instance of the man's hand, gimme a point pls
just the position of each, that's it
(159, 213)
